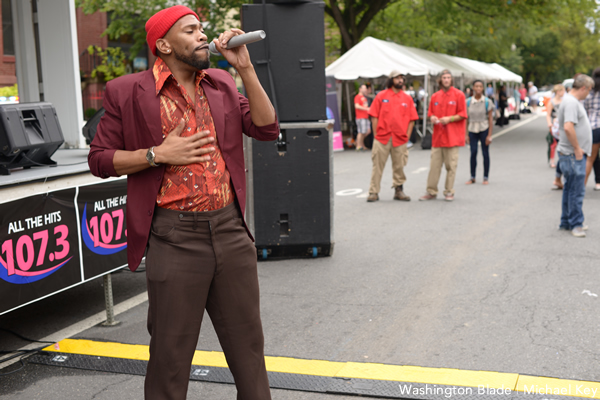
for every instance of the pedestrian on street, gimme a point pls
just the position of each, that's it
(447, 113)
(574, 146)
(552, 121)
(393, 116)
(177, 131)
(533, 96)
(489, 91)
(523, 92)
(361, 110)
(517, 97)
(592, 107)
(480, 110)
(597, 173)
(502, 103)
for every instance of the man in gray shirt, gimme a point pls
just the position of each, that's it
(574, 146)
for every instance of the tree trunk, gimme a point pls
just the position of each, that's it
(353, 18)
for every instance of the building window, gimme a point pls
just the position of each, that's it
(7, 29)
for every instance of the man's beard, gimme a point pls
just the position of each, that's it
(193, 60)
(398, 85)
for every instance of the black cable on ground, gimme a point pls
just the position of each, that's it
(22, 354)
(16, 370)
(23, 337)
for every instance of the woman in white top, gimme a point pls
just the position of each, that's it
(479, 127)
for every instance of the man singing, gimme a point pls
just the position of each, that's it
(176, 131)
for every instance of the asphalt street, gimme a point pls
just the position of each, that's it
(486, 282)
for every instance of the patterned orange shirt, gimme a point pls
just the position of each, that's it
(202, 186)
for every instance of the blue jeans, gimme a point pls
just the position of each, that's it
(473, 139)
(574, 189)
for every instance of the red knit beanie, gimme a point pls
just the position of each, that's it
(159, 24)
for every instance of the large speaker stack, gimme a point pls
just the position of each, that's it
(290, 204)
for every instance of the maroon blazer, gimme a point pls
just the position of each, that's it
(132, 122)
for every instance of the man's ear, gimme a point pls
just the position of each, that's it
(163, 46)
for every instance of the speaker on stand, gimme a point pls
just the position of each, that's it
(290, 184)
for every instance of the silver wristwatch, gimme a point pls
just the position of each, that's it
(150, 157)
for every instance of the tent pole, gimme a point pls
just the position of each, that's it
(349, 104)
(425, 103)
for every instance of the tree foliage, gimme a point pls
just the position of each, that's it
(128, 17)
(112, 64)
(543, 40)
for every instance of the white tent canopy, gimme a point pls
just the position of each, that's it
(373, 58)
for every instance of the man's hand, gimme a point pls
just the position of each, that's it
(178, 150)
(434, 119)
(238, 57)
(488, 140)
(445, 120)
(569, 128)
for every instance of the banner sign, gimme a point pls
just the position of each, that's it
(56, 240)
(103, 227)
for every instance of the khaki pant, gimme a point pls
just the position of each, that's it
(379, 155)
(442, 156)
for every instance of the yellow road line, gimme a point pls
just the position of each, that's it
(398, 373)
(435, 376)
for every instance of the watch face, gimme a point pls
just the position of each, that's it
(150, 157)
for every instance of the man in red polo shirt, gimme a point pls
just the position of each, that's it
(393, 114)
(361, 108)
(447, 113)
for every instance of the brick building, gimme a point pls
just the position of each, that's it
(89, 32)
(7, 59)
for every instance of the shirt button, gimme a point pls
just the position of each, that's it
(158, 177)
(149, 213)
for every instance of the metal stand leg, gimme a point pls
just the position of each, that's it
(108, 299)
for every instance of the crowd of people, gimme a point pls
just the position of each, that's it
(573, 117)
(393, 115)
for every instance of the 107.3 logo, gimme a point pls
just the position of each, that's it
(22, 257)
(104, 234)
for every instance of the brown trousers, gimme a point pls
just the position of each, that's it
(199, 260)
(379, 156)
(447, 156)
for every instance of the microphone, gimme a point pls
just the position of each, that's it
(239, 40)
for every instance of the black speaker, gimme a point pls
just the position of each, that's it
(29, 135)
(290, 62)
(90, 127)
(292, 186)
